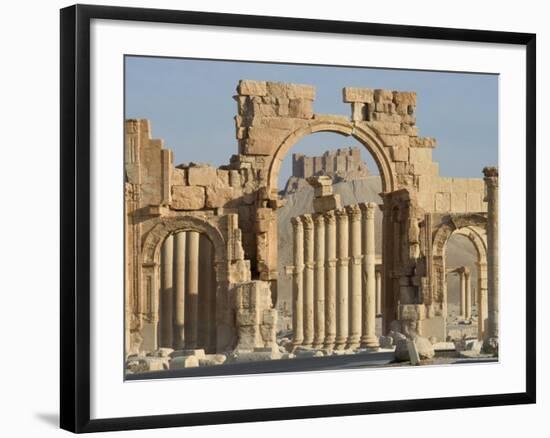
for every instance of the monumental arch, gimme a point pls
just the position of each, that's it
(235, 207)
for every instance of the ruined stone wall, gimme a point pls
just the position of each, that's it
(239, 201)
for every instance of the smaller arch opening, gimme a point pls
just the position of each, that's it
(465, 270)
(187, 292)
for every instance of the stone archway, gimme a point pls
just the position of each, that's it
(473, 227)
(185, 316)
(362, 133)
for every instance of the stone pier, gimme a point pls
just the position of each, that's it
(368, 337)
(319, 292)
(342, 279)
(179, 286)
(192, 318)
(297, 282)
(330, 279)
(354, 217)
(468, 294)
(490, 343)
(167, 292)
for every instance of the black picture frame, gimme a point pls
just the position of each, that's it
(75, 217)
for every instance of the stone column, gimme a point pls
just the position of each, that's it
(368, 335)
(462, 293)
(330, 280)
(378, 275)
(192, 298)
(481, 299)
(167, 292)
(490, 343)
(212, 313)
(179, 287)
(206, 292)
(342, 328)
(354, 213)
(297, 282)
(319, 250)
(468, 295)
(308, 280)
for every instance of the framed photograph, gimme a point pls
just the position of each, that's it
(291, 218)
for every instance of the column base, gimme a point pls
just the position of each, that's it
(340, 343)
(329, 342)
(370, 342)
(353, 342)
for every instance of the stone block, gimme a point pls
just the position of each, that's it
(300, 108)
(178, 177)
(353, 94)
(202, 176)
(386, 127)
(290, 91)
(442, 202)
(399, 153)
(181, 362)
(326, 203)
(458, 202)
(386, 117)
(474, 202)
(252, 88)
(217, 197)
(383, 96)
(404, 98)
(198, 352)
(212, 360)
(188, 198)
(395, 140)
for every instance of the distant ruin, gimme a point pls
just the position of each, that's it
(343, 163)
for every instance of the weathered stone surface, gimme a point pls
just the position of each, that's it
(363, 95)
(291, 91)
(423, 346)
(218, 197)
(202, 176)
(252, 88)
(212, 360)
(199, 353)
(162, 352)
(386, 342)
(180, 362)
(188, 198)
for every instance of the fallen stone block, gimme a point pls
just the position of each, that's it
(199, 353)
(386, 342)
(180, 362)
(212, 360)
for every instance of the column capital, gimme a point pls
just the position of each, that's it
(354, 212)
(319, 219)
(491, 176)
(368, 209)
(307, 220)
(330, 217)
(296, 222)
(341, 215)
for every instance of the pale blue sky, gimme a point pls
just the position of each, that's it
(190, 105)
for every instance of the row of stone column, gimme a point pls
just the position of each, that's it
(187, 292)
(334, 283)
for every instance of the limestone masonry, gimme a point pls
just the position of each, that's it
(201, 242)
